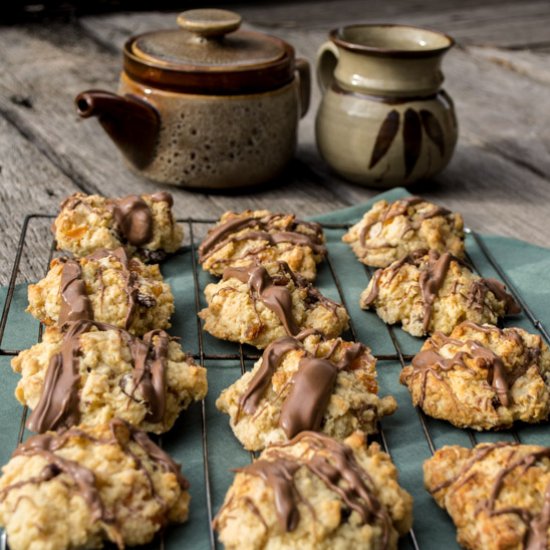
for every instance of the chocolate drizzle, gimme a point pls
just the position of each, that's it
(309, 396)
(272, 292)
(45, 445)
(59, 401)
(149, 373)
(272, 357)
(430, 361)
(130, 280)
(311, 385)
(478, 290)
(433, 268)
(414, 258)
(133, 217)
(431, 280)
(400, 208)
(154, 452)
(75, 304)
(279, 475)
(536, 535)
(500, 378)
(263, 228)
(85, 483)
(332, 462)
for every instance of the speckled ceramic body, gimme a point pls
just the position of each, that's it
(220, 141)
(384, 120)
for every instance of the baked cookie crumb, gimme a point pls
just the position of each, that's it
(497, 494)
(144, 224)
(88, 485)
(302, 383)
(108, 287)
(259, 236)
(256, 305)
(389, 231)
(93, 372)
(427, 292)
(482, 377)
(316, 493)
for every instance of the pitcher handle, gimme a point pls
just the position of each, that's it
(327, 59)
(304, 79)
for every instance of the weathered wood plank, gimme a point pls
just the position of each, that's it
(490, 22)
(28, 183)
(533, 64)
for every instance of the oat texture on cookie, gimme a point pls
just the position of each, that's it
(389, 231)
(316, 493)
(482, 377)
(93, 372)
(497, 494)
(258, 304)
(88, 485)
(108, 287)
(303, 383)
(259, 236)
(144, 224)
(427, 292)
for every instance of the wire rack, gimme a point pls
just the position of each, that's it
(245, 354)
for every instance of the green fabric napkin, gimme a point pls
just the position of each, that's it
(524, 264)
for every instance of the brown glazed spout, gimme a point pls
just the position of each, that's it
(130, 122)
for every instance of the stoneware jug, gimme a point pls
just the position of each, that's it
(384, 119)
(205, 106)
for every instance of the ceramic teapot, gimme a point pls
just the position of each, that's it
(384, 119)
(206, 106)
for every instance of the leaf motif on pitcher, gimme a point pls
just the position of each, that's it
(384, 139)
(413, 124)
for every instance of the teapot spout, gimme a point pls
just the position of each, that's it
(130, 122)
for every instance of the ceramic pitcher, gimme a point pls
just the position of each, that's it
(384, 119)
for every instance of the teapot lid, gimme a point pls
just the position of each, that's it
(209, 55)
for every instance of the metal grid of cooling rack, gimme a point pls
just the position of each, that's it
(242, 356)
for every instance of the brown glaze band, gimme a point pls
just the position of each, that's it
(133, 219)
(217, 80)
(336, 37)
(498, 376)
(385, 99)
(263, 287)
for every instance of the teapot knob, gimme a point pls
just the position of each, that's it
(209, 23)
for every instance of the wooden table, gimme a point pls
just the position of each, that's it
(499, 76)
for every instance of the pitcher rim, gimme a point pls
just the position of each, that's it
(390, 52)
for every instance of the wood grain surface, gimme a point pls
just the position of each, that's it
(499, 76)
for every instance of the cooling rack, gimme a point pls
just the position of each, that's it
(202, 440)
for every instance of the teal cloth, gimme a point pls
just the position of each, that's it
(527, 267)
